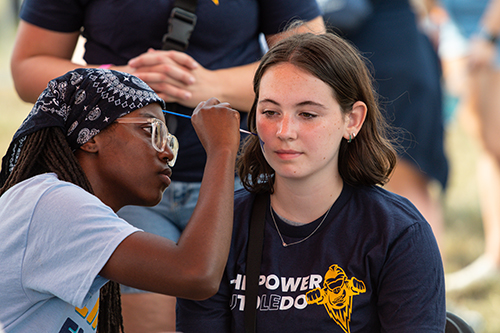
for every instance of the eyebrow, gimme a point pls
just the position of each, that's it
(304, 103)
(147, 114)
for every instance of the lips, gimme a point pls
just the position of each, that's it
(287, 154)
(165, 175)
(167, 172)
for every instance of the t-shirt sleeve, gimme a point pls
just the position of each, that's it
(404, 304)
(274, 15)
(56, 15)
(71, 237)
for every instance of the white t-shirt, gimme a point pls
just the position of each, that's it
(54, 239)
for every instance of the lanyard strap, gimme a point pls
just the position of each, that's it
(254, 258)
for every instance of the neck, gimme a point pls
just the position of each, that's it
(103, 192)
(304, 203)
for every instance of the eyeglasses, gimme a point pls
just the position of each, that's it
(160, 137)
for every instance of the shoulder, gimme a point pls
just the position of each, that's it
(52, 189)
(243, 206)
(46, 184)
(243, 202)
(386, 202)
(384, 211)
(45, 195)
(243, 198)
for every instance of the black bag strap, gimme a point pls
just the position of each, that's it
(254, 258)
(180, 25)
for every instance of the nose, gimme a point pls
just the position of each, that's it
(167, 155)
(286, 128)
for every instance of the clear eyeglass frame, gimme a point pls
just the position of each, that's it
(160, 137)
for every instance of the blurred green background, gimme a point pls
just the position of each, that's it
(464, 241)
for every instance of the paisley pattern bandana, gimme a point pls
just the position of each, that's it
(82, 102)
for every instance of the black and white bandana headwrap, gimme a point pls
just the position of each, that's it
(82, 102)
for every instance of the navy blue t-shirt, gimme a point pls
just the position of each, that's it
(226, 35)
(372, 266)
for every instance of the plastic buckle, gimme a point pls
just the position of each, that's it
(180, 26)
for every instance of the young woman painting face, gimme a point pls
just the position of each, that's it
(301, 124)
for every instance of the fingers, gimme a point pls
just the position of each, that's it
(169, 67)
(183, 59)
(169, 73)
(215, 101)
(217, 125)
(165, 72)
(168, 92)
(155, 57)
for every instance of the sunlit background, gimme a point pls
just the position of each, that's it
(12, 109)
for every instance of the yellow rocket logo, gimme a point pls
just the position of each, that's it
(336, 295)
(216, 2)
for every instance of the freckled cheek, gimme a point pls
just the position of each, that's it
(324, 142)
(265, 130)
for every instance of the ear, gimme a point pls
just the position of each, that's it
(90, 146)
(355, 120)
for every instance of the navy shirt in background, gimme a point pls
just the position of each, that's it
(226, 35)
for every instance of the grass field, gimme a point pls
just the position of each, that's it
(464, 235)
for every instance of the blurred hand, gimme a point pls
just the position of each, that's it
(175, 76)
(217, 125)
(482, 54)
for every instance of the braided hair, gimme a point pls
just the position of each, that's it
(48, 151)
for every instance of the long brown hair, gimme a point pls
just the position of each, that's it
(370, 158)
(48, 151)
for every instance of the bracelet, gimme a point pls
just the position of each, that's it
(106, 66)
(486, 35)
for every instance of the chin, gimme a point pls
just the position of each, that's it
(154, 202)
(149, 202)
(158, 199)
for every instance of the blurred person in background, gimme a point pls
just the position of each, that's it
(407, 72)
(478, 22)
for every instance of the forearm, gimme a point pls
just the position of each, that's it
(193, 267)
(490, 21)
(40, 55)
(235, 86)
(206, 240)
(32, 74)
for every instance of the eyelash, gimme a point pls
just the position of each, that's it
(148, 129)
(268, 113)
(306, 115)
